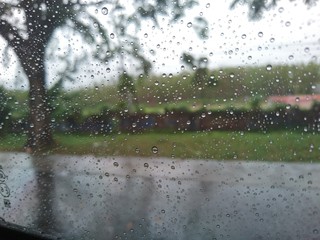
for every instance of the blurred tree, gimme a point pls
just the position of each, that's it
(28, 27)
(127, 92)
(257, 7)
(4, 110)
(201, 77)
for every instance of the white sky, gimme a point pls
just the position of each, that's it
(287, 34)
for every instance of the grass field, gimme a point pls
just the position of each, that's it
(274, 146)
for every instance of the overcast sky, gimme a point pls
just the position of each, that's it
(287, 34)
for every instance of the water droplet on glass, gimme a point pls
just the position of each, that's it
(269, 67)
(288, 24)
(306, 50)
(154, 149)
(272, 40)
(291, 57)
(207, 5)
(280, 9)
(137, 150)
(260, 34)
(112, 35)
(189, 25)
(104, 11)
(146, 165)
(145, 35)
(243, 36)
(156, 83)
(116, 164)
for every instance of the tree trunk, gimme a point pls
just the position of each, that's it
(39, 130)
(39, 133)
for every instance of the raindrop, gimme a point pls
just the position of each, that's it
(137, 150)
(260, 34)
(280, 9)
(156, 83)
(207, 5)
(112, 35)
(297, 99)
(272, 40)
(189, 25)
(104, 11)
(231, 75)
(154, 149)
(269, 67)
(146, 165)
(145, 35)
(291, 57)
(243, 36)
(315, 231)
(306, 50)
(173, 167)
(116, 164)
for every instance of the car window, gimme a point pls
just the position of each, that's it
(160, 119)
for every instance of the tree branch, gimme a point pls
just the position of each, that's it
(10, 34)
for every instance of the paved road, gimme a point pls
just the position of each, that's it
(132, 198)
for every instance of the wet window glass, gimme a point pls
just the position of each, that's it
(160, 119)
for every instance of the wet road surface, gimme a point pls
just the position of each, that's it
(85, 197)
